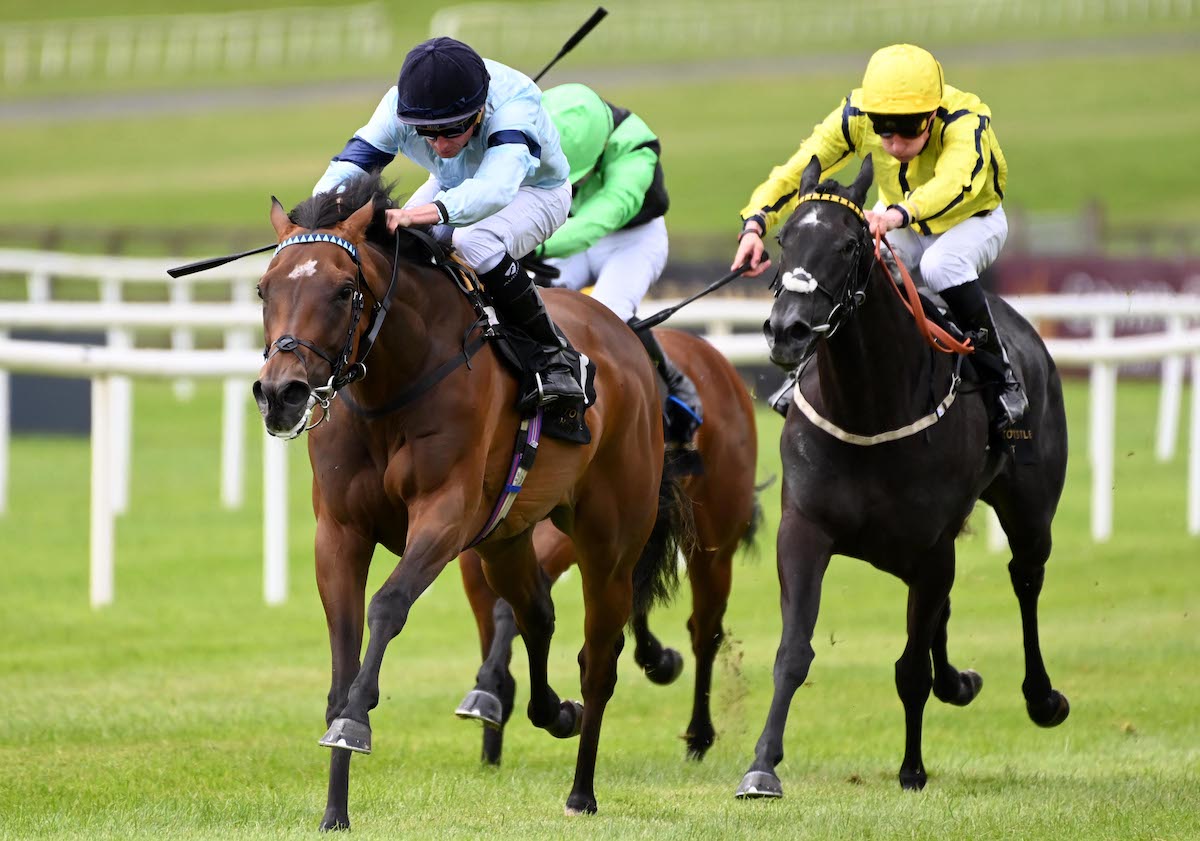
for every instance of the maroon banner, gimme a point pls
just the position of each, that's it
(1027, 275)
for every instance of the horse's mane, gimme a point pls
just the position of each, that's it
(325, 210)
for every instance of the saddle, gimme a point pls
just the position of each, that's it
(520, 354)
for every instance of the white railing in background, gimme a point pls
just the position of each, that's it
(181, 44)
(705, 28)
(238, 322)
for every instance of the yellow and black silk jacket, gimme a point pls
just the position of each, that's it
(960, 173)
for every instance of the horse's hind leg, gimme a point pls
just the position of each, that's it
(1030, 545)
(513, 573)
(710, 574)
(491, 701)
(608, 601)
(662, 665)
(949, 684)
(928, 591)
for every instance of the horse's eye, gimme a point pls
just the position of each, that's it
(258, 291)
(345, 293)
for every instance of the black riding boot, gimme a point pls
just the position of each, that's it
(517, 299)
(971, 311)
(683, 403)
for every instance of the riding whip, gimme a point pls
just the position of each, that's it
(662, 315)
(574, 40)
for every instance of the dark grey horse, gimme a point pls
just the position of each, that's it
(897, 504)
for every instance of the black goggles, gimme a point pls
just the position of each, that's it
(448, 129)
(908, 126)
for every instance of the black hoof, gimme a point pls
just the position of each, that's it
(913, 780)
(578, 804)
(667, 669)
(758, 784)
(970, 683)
(482, 706)
(1050, 712)
(348, 734)
(699, 740)
(335, 823)
(569, 721)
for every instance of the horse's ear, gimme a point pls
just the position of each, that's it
(357, 222)
(862, 182)
(810, 177)
(279, 218)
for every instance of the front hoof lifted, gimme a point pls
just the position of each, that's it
(483, 707)
(1050, 712)
(913, 780)
(348, 734)
(570, 721)
(759, 784)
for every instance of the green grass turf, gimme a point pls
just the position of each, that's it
(189, 710)
(1102, 128)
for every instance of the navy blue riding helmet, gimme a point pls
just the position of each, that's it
(442, 81)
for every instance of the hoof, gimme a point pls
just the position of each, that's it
(579, 805)
(569, 722)
(913, 780)
(699, 741)
(348, 734)
(668, 668)
(335, 824)
(759, 784)
(969, 686)
(1051, 712)
(483, 707)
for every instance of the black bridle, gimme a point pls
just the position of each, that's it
(342, 371)
(851, 291)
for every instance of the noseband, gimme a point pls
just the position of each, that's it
(342, 373)
(851, 291)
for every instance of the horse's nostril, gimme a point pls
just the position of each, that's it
(295, 393)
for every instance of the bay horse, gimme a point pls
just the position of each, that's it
(725, 512)
(857, 483)
(417, 457)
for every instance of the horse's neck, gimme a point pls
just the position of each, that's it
(425, 325)
(875, 371)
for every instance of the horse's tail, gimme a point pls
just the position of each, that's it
(756, 516)
(656, 575)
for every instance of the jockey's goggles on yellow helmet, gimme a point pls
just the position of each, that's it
(455, 129)
(908, 126)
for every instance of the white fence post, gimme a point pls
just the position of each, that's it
(101, 539)
(1102, 437)
(233, 424)
(1193, 480)
(120, 403)
(1170, 396)
(5, 433)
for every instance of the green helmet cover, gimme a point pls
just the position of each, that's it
(584, 122)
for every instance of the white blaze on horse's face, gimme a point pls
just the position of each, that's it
(306, 269)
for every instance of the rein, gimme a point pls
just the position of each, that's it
(800, 280)
(324, 395)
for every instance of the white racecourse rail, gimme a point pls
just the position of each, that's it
(239, 321)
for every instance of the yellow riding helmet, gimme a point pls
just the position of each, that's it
(902, 79)
(584, 122)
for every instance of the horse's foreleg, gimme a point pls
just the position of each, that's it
(928, 591)
(803, 556)
(607, 605)
(949, 684)
(427, 554)
(342, 560)
(710, 574)
(491, 701)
